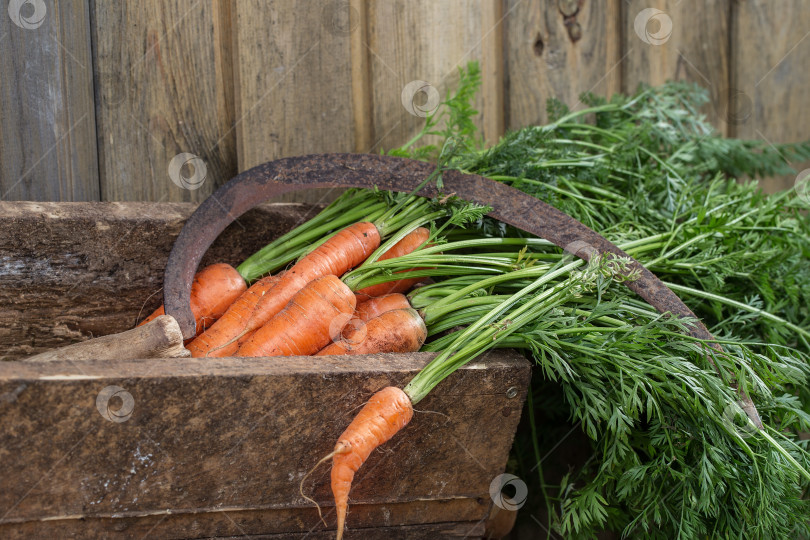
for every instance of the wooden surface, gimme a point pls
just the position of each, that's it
(58, 287)
(416, 41)
(770, 75)
(159, 338)
(47, 125)
(164, 87)
(697, 50)
(239, 82)
(224, 444)
(559, 49)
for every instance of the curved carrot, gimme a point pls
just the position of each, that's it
(310, 320)
(219, 340)
(395, 331)
(214, 288)
(388, 411)
(407, 245)
(336, 256)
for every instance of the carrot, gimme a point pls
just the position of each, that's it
(407, 245)
(398, 330)
(214, 288)
(220, 339)
(345, 250)
(310, 320)
(387, 412)
(374, 307)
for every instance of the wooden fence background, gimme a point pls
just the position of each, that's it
(98, 97)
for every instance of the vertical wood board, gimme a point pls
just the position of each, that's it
(559, 49)
(163, 88)
(47, 126)
(674, 40)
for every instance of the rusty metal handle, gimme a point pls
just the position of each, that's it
(274, 178)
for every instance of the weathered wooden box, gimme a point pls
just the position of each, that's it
(210, 448)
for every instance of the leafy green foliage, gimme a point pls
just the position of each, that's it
(670, 456)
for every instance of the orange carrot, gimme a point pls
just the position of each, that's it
(310, 320)
(375, 307)
(347, 249)
(387, 412)
(407, 245)
(214, 288)
(398, 330)
(220, 339)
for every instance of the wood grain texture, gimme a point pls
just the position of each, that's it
(47, 126)
(771, 82)
(559, 49)
(203, 437)
(58, 287)
(696, 50)
(159, 338)
(294, 89)
(422, 41)
(163, 87)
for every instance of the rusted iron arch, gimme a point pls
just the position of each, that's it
(275, 178)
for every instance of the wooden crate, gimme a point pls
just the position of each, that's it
(211, 447)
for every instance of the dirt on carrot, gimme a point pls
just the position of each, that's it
(395, 331)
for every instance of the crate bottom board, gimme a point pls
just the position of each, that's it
(209, 447)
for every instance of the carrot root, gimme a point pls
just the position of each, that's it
(385, 414)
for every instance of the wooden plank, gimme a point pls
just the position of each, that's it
(294, 81)
(48, 127)
(58, 287)
(163, 88)
(771, 44)
(202, 436)
(559, 49)
(424, 41)
(696, 49)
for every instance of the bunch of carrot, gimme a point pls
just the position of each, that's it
(306, 309)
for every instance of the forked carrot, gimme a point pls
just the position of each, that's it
(387, 412)
(407, 245)
(395, 331)
(311, 319)
(220, 339)
(214, 288)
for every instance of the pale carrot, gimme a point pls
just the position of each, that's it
(395, 331)
(407, 245)
(220, 339)
(313, 317)
(214, 288)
